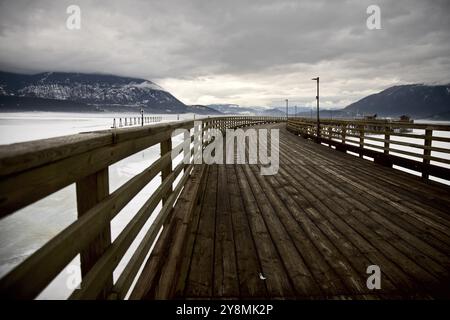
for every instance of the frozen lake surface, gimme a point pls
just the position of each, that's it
(26, 126)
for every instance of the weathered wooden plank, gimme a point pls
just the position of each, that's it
(353, 280)
(182, 214)
(327, 264)
(146, 280)
(190, 241)
(410, 184)
(337, 216)
(395, 254)
(277, 281)
(22, 156)
(314, 199)
(427, 152)
(19, 190)
(384, 156)
(396, 211)
(165, 147)
(95, 279)
(248, 264)
(226, 283)
(37, 270)
(201, 276)
(373, 123)
(370, 170)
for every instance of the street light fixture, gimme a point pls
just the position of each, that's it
(317, 98)
(287, 110)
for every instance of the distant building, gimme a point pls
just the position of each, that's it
(405, 118)
(370, 117)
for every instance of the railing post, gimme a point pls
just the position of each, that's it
(427, 153)
(343, 132)
(387, 138)
(166, 146)
(342, 147)
(330, 134)
(361, 140)
(90, 191)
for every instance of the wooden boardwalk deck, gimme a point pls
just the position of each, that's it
(308, 232)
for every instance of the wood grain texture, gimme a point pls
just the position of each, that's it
(311, 230)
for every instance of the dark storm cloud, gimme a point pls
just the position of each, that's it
(250, 52)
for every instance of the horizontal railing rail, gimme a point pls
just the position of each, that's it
(402, 143)
(31, 171)
(133, 121)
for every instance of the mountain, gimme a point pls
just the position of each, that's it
(415, 100)
(293, 109)
(238, 110)
(232, 109)
(200, 109)
(78, 92)
(273, 112)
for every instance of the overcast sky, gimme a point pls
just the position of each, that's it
(252, 53)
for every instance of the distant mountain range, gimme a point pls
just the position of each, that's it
(238, 110)
(415, 100)
(419, 101)
(78, 92)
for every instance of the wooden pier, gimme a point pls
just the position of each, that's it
(226, 232)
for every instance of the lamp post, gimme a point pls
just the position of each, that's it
(317, 98)
(142, 117)
(287, 111)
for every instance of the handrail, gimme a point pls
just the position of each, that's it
(30, 171)
(352, 135)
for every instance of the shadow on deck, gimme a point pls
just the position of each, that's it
(310, 231)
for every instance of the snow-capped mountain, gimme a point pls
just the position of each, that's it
(99, 92)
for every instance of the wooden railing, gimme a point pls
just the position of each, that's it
(31, 171)
(133, 121)
(385, 142)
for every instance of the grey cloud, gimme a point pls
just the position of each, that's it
(272, 44)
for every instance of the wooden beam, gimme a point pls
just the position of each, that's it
(166, 146)
(427, 153)
(91, 190)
